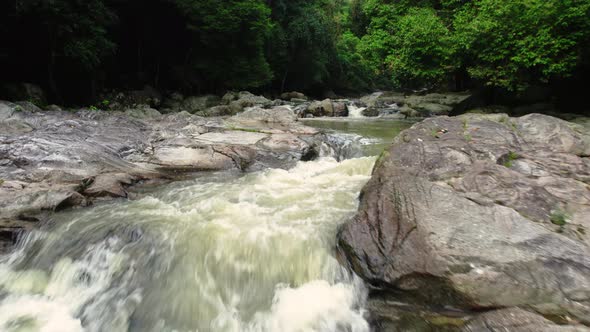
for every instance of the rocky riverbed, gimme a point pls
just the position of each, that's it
(51, 160)
(473, 223)
(478, 213)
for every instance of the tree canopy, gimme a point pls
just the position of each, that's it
(75, 48)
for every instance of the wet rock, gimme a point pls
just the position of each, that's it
(7, 109)
(229, 96)
(246, 99)
(10, 231)
(197, 158)
(14, 126)
(53, 108)
(298, 101)
(109, 185)
(278, 115)
(53, 160)
(199, 103)
(495, 210)
(28, 106)
(517, 320)
(340, 109)
(143, 112)
(293, 95)
(413, 105)
(220, 110)
(321, 108)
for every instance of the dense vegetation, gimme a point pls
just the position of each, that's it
(77, 48)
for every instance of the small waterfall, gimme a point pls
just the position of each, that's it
(355, 111)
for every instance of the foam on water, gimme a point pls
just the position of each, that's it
(355, 111)
(221, 253)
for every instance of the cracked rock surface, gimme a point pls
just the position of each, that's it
(494, 210)
(57, 159)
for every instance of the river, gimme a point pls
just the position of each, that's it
(221, 251)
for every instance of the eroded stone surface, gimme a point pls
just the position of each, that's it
(477, 204)
(56, 159)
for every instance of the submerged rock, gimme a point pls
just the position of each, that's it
(491, 208)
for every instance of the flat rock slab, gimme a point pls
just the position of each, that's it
(232, 137)
(54, 159)
(198, 158)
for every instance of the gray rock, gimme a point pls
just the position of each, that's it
(143, 112)
(414, 105)
(245, 99)
(53, 108)
(340, 109)
(473, 204)
(298, 101)
(229, 97)
(199, 103)
(293, 95)
(517, 320)
(53, 160)
(321, 108)
(7, 109)
(220, 110)
(109, 185)
(14, 126)
(28, 106)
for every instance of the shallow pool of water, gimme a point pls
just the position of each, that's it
(377, 133)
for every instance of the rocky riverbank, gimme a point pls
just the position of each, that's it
(51, 160)
(479, 213)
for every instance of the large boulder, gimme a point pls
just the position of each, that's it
(321, 108)
(340, 109)
(246, 99)
(494, 210)
(293, 95)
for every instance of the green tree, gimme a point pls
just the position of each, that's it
(511, 44)
(73, 29)
(412, 50)
(302, 48)
(229, 39)
(355, 73)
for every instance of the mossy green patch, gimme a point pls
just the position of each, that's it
(558, 217)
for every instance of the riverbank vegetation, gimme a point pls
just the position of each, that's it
(75, 49)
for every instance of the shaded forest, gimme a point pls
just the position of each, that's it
(75, 49)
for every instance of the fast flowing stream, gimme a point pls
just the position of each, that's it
(221, 252)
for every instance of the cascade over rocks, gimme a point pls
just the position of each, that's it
(413, 105)
(51, 160)
(495, 210)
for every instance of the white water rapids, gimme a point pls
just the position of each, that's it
(355, 111)
(223, 252)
